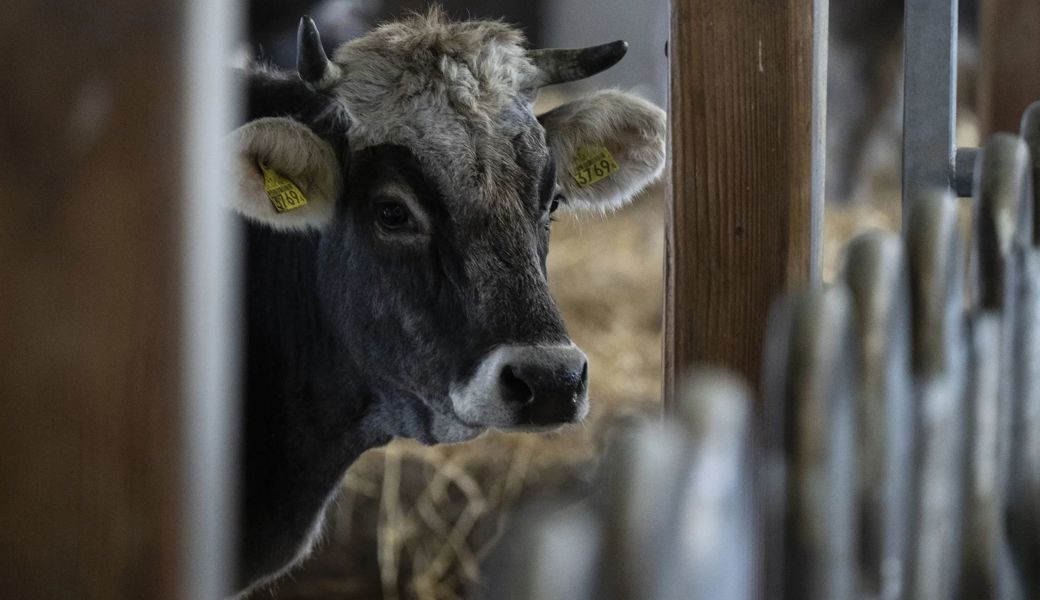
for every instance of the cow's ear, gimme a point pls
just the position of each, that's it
(287, 177)
(608, 146)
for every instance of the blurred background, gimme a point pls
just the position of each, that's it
(88, 129)
(415, 522)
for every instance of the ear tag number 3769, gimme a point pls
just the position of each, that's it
(591, 164)
(284, 194)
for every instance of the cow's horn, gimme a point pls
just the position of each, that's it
(312, 63)
(563, 65)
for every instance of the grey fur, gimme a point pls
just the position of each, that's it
(360, 331)
(458, 96)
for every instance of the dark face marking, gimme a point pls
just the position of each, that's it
(423, 299)
(439, 295)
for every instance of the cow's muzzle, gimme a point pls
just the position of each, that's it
(525, 387)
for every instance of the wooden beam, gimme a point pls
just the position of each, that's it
(96, 162)
(746, 174)
(1009, 70)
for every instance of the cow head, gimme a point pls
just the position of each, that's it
(431, 184)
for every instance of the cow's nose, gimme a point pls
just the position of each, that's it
(546, 386)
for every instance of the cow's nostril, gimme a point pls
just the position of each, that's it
(514, 389)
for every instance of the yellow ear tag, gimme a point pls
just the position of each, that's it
(284, 194)
(591, 164)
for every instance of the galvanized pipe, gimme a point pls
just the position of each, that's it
(1023, 517)
(711, 551)
(877, 277)
(644, 473)
(936, 258)
(929, 98)
(816, 440)
(1003, 229)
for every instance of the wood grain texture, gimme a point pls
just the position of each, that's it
(1009, 70)
(90, 449)
(742, 226)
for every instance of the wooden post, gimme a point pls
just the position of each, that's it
(1009, 70)
(104, 491)
(747, 91)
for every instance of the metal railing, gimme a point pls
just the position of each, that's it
(896, 451)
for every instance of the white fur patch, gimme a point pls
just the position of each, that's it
(295, 152)
(630, 128)
(479, 399)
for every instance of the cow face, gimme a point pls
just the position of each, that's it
(432, 186)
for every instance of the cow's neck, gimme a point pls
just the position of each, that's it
(305, 405)
(293, 353)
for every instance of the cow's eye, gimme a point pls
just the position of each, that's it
(392, 215)
(557, 199)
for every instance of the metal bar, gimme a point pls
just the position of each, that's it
(811, 422)
(209, 314)
(1023, 516)
(552, 554)
(877, 277)
(964, 171)
(929, 98)
(1024, 491)
(641, 468)
(818, 139)
(1030, 132)
(936, 258)
(710, 548)
(1003, 229)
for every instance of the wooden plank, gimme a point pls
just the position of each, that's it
(746, 173)
(93, 452)
(1009, 77)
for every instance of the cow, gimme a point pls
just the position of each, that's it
(397, 202)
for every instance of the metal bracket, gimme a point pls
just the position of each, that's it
(964, 171)
(930, 156)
